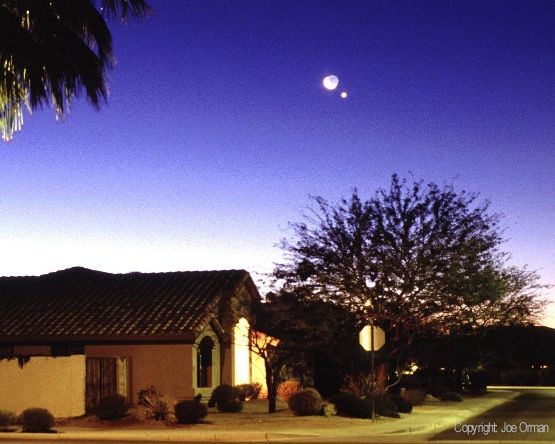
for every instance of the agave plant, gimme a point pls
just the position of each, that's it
(52, 50)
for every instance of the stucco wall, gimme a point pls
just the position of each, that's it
(56, 384)
(258, 373)
(166, 367)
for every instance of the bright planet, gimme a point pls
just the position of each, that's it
(330, 82)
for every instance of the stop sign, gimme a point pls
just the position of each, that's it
(365, 338)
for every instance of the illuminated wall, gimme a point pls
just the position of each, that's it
(56, 384)
(258, 373)
(241, 353)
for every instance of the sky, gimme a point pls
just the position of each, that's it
(218, 129)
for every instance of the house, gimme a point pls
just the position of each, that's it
(81, 334)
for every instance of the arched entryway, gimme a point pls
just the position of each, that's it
(206, 358)
(204, 362)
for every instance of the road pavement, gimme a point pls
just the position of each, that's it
(528, 417)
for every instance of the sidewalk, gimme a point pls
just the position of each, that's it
(433, 416)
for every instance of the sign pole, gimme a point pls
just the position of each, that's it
(372, 369)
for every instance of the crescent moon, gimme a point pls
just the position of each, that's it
(330, 82)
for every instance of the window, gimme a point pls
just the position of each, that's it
(204, 362)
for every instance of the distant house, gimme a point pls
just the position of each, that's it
(89, 334)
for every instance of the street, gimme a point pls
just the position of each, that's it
(529, 417)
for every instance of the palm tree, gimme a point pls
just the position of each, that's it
(52, 50)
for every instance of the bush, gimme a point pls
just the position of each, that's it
(451, 396)
(232, 406)
(190, 412)
(305, 402)
(439, 388)
(226, 399)
(329, 409)
(476, 381)
(403, 406)
(348, 404)
(112, 407)
(415, 396)
(248, 391)
(7, 419)
(287, 388)
(385, 406)
(36, 420)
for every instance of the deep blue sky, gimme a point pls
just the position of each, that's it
(217, 129)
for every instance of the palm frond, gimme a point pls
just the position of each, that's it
(125, 8)
(52, 50)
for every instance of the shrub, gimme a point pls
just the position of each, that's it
(190, 412)
(403, 406)
(305, 402)
(329, 409)
(248, 391)
(112, 407)
(160, 409)
(438, 389)
(7, 419)
(231, 406)
(287, 388)
(36, 420)
(146, 395)
(226, 399)
(476, 381)
(349, 404)
(451, 396)
(385, 406)
(360, 385)
(415, 396)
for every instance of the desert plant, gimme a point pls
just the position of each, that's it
(360, 385)
(161, 408)
(36, 420)
(7, 419)
(415, 396)
(190, 412)
(349, 404)
(287, 388)
(226, 399)
(451, 396)
(305, 402)
(145, 395)
(329, 409)
(248, 391)
(112, 407)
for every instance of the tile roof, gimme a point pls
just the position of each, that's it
(79, 303)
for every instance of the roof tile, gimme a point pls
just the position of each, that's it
(82, 302)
